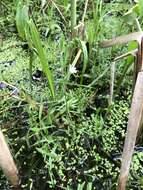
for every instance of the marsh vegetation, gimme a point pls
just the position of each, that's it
(64, 129)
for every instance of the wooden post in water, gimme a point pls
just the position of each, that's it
(135, 117)
(134, 123)
(7, 163)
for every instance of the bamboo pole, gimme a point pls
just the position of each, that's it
(135, 117)
(7, 163)
(136, 36)
(134, 123)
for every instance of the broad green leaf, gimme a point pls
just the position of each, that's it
(28, 31)
(42, 55)
(21, 20)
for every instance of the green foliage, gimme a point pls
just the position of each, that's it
(136, 10)
(128, 64)
(21, 20)
(69, 142)
(115, 126)
(28, 31)
(42, 55)
(85, 59)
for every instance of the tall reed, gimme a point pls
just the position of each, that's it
(73, 17)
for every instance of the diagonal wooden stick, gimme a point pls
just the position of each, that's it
(133, 53)
(136, 36)
(7, 163)
(134, 123)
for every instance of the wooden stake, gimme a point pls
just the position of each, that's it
(134, 123)
(7, 163)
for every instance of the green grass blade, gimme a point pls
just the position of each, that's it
(85, 58)
(130, 60)
(42, 55)
(89, 186)
(21, 20)
(81, 186)
(73, 16)
(124, 72)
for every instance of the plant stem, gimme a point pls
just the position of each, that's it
(73, 17)
(85, 10)
(138, 25)
(112, 79)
